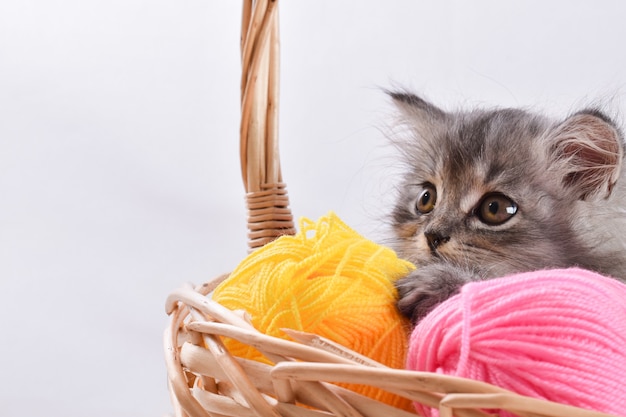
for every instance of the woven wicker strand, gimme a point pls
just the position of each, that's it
(269, 215)
(206, 380)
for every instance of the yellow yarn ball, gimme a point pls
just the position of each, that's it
(327, 280)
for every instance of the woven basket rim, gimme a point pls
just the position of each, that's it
(201, 369)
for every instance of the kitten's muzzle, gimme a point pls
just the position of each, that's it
(435, 240)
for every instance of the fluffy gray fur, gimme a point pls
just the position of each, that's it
(556, 189)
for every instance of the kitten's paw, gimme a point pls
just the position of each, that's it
(427, 286)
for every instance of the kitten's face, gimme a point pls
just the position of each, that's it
(484, 192)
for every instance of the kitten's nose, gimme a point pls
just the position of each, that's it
(435, 240)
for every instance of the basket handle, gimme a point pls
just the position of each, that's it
(269, 214)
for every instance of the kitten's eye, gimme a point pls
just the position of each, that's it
(496, 209)
(427, 199)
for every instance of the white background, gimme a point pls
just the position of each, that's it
(119, 178)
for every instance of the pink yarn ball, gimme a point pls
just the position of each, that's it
(559, 335)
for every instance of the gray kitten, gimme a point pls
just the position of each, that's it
(493, 192)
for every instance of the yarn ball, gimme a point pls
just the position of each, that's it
(558, 335)
(327, 280)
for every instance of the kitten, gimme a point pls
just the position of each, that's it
(493, 192)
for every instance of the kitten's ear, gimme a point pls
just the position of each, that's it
(414, 109)
(588, 149)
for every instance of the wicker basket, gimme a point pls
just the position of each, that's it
(205, 379)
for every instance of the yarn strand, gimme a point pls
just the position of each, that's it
(327, 280)
(558, 335)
